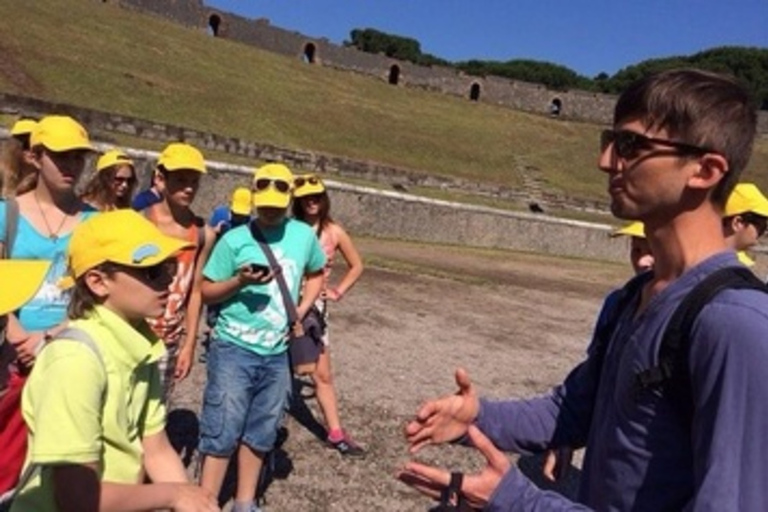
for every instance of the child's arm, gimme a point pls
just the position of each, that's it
(354, 262)
(76, 488)
(161, 462)
(194, 306)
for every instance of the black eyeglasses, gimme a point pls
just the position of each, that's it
(119, 180)
(301, 181)
(760, 222)
(628, 144)
(160, 273)
(262, 184)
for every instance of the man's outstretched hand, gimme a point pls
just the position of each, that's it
(476, 489)
(444, 419)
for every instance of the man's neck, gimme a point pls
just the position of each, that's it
(684, 242)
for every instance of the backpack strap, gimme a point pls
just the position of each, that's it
(604, 332)
(11, 225)
(672, 371)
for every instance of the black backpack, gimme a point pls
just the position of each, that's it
(671, 374)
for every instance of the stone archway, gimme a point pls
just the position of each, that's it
(474, 92)
(214, 24)
(556, 107)
(309, 53)
(394, 74)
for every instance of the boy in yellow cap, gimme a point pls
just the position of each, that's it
(179, 170)
(17, 176)
(111, 186)
(249, 377)
(97, 434)
(38, 225)
(745, 219)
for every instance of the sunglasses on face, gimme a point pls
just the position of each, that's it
(760, 222)
(120, 180)
(311, 180)
(628, 144)
(262, 184)
(156, 274)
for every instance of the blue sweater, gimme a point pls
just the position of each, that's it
(640, 455)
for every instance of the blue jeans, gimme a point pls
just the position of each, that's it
(244, 400)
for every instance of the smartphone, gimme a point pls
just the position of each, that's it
(258, 267)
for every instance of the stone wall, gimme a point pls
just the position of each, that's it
(384, 214)
(579, 105)
(102, 124)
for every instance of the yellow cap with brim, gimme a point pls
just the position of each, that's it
(746, 197)
(178, 156)
(23, 127)
(308, 185)
(20, 280)
(636, 229)
(270, 197)
(745, 259)
(120, 236)
(242, 201)
(59, 134)
(113, 157)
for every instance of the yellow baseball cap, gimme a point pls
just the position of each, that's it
(636, 229)
(20, 280)
(179, 155)
(113, 157)
(242, 201)
(120, 236)
(746, 197)
(277, 181)
(745, 259)
(307, 185)
(59, 134)
(23, 127)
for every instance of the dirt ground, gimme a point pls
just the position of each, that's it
(517, 322)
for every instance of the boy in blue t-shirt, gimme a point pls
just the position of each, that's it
(249, 376)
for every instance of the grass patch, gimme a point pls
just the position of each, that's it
(101, 56)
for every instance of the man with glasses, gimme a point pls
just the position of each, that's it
(679, 142)
(249, 377)
(745, 218)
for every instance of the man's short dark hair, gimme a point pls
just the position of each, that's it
(697, 107)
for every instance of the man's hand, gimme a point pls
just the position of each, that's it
(444, 419)
(476, 489)
(246, 276)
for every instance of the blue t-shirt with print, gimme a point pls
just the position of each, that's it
(48, 307)
(255, 317)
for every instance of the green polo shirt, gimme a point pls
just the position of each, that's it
(82, 411)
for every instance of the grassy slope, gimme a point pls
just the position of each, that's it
(98, 55)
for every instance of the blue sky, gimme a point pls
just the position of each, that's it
(588, 36)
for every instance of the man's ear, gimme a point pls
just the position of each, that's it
(711, 168)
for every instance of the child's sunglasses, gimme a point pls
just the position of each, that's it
(628, 144)
(301, 181)
(262, 184)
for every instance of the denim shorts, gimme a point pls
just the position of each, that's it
(244, 400)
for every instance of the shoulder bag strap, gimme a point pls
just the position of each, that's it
(11, 225)
(290, 307)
